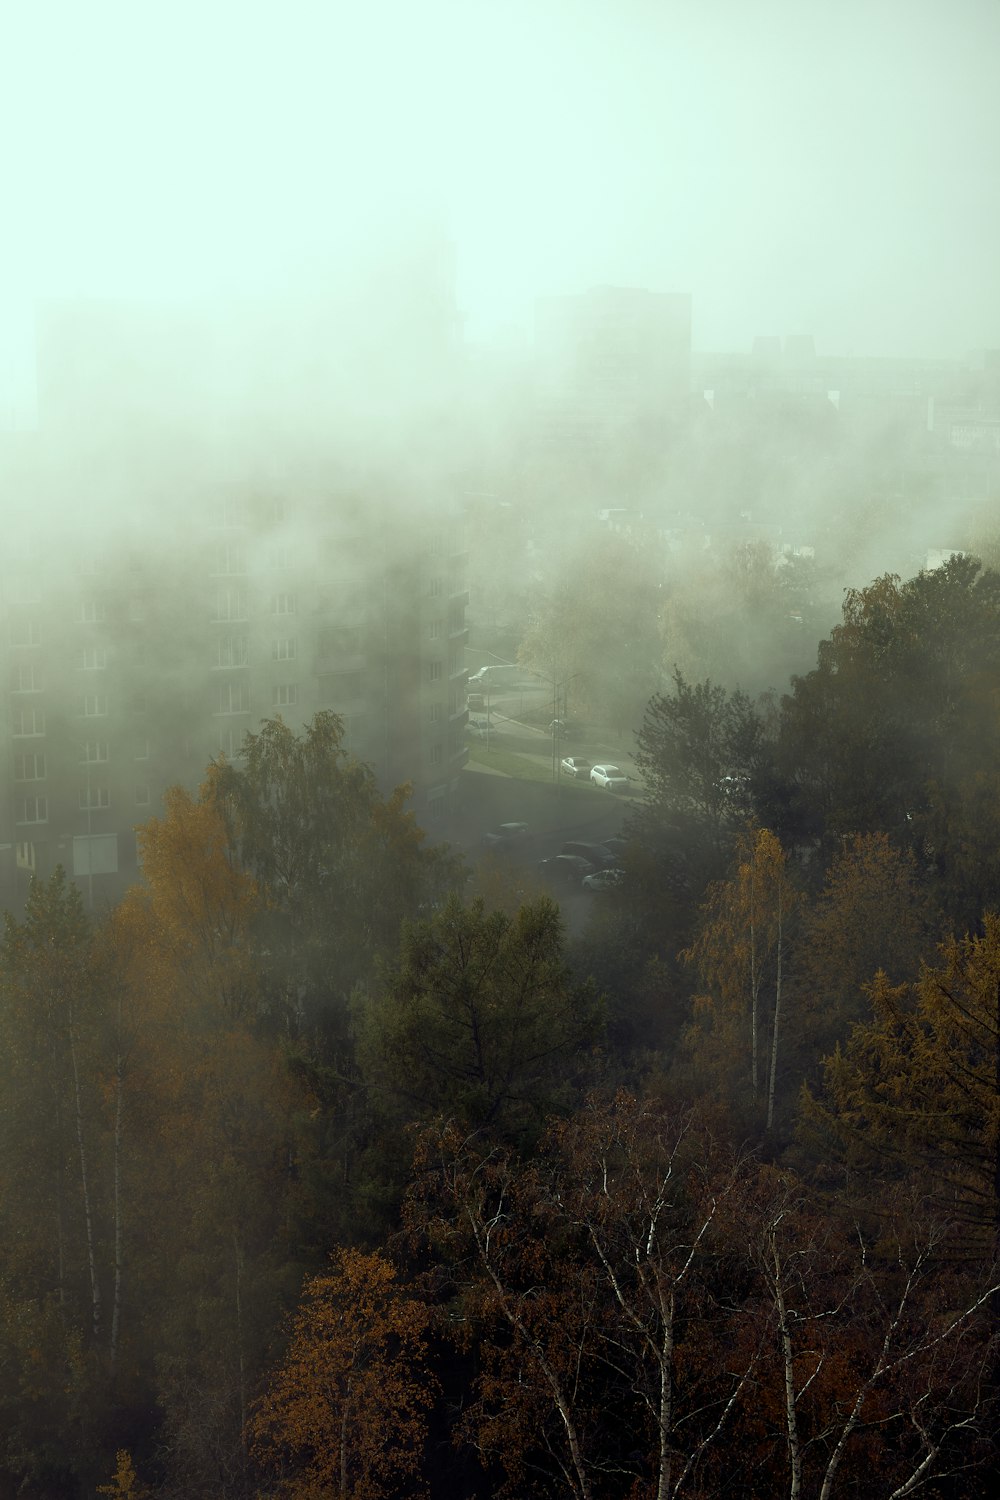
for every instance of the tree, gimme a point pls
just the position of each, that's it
(52, 1014)
(888, 733)
(878, 1355)
(871, 914)
(659, 1316)
(337, 866)
(739, 954)
(345, 1411)
(594, 631)
(204, 905)
(481, 1020)
(918, 1084)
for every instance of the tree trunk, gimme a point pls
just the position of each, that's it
(777, 1019)
(116, 1298)
(754, 1069)
(95, 1289)
(791, 1415)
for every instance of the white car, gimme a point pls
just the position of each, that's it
(609, 776)
(603, 880)
(572, 765)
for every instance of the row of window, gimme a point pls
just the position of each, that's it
(231, 651)
(233, 604)
(32, 765)
(234, 650)
(35, 809)
(234, 697)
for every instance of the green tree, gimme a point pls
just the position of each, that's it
(890, 732)
(594, 631)
(481, 1020)
(337, 866)
(699, 751)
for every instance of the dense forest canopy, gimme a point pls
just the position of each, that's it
(324, 1172)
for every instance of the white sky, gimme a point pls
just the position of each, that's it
(796, 165)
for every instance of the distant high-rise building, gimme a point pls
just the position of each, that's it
(612, 375)
(200, 543)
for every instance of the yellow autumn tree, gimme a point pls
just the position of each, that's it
(918, 1086)
(201, 904)
(739, 955)
(345, 1413)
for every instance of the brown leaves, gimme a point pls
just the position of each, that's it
(345, 1413)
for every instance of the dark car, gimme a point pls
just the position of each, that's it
(507, 836)
(567, 869)
(616, 847)
(596, 855)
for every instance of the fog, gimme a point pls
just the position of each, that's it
(796, 167)
(710, 286)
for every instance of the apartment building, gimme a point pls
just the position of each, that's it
(129, 666)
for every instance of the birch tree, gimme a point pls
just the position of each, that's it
(740, 959)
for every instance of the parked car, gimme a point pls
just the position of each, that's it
(594, 854)
(475, 701)
(568, 869)
(507, 836)
(610, 777)
(603, 880)
(476, 731)
(572, 765)
(616, 847)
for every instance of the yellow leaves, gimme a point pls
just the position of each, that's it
(125, 1481)
(355, 1370)
(192, 923)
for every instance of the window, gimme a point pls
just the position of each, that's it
(229, 558)
(28, 678)
(142, 796)
(25, 633)
(91, 612)
(95, 854)
(284, 604)
(230, 742)
(284, 695)
(339, 640)
(434, 671)
(435, 629)
(435, 713)
(283, 650)
(29, 767)
(136, 610)
(336, 688)
(33, 810)
(24, 856)
(232, 651)
(94, 753)
(436, 755)
(437, 586)
(93, 659)
(27, 723)
(234, 698)
(230, 604)
(142, 750)
(95, 706)
(23, 589)
(92, 797)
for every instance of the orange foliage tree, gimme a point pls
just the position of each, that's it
(345, 1412)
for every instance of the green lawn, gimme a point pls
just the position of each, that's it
(521, 766)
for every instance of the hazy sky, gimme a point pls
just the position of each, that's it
(797, 166)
